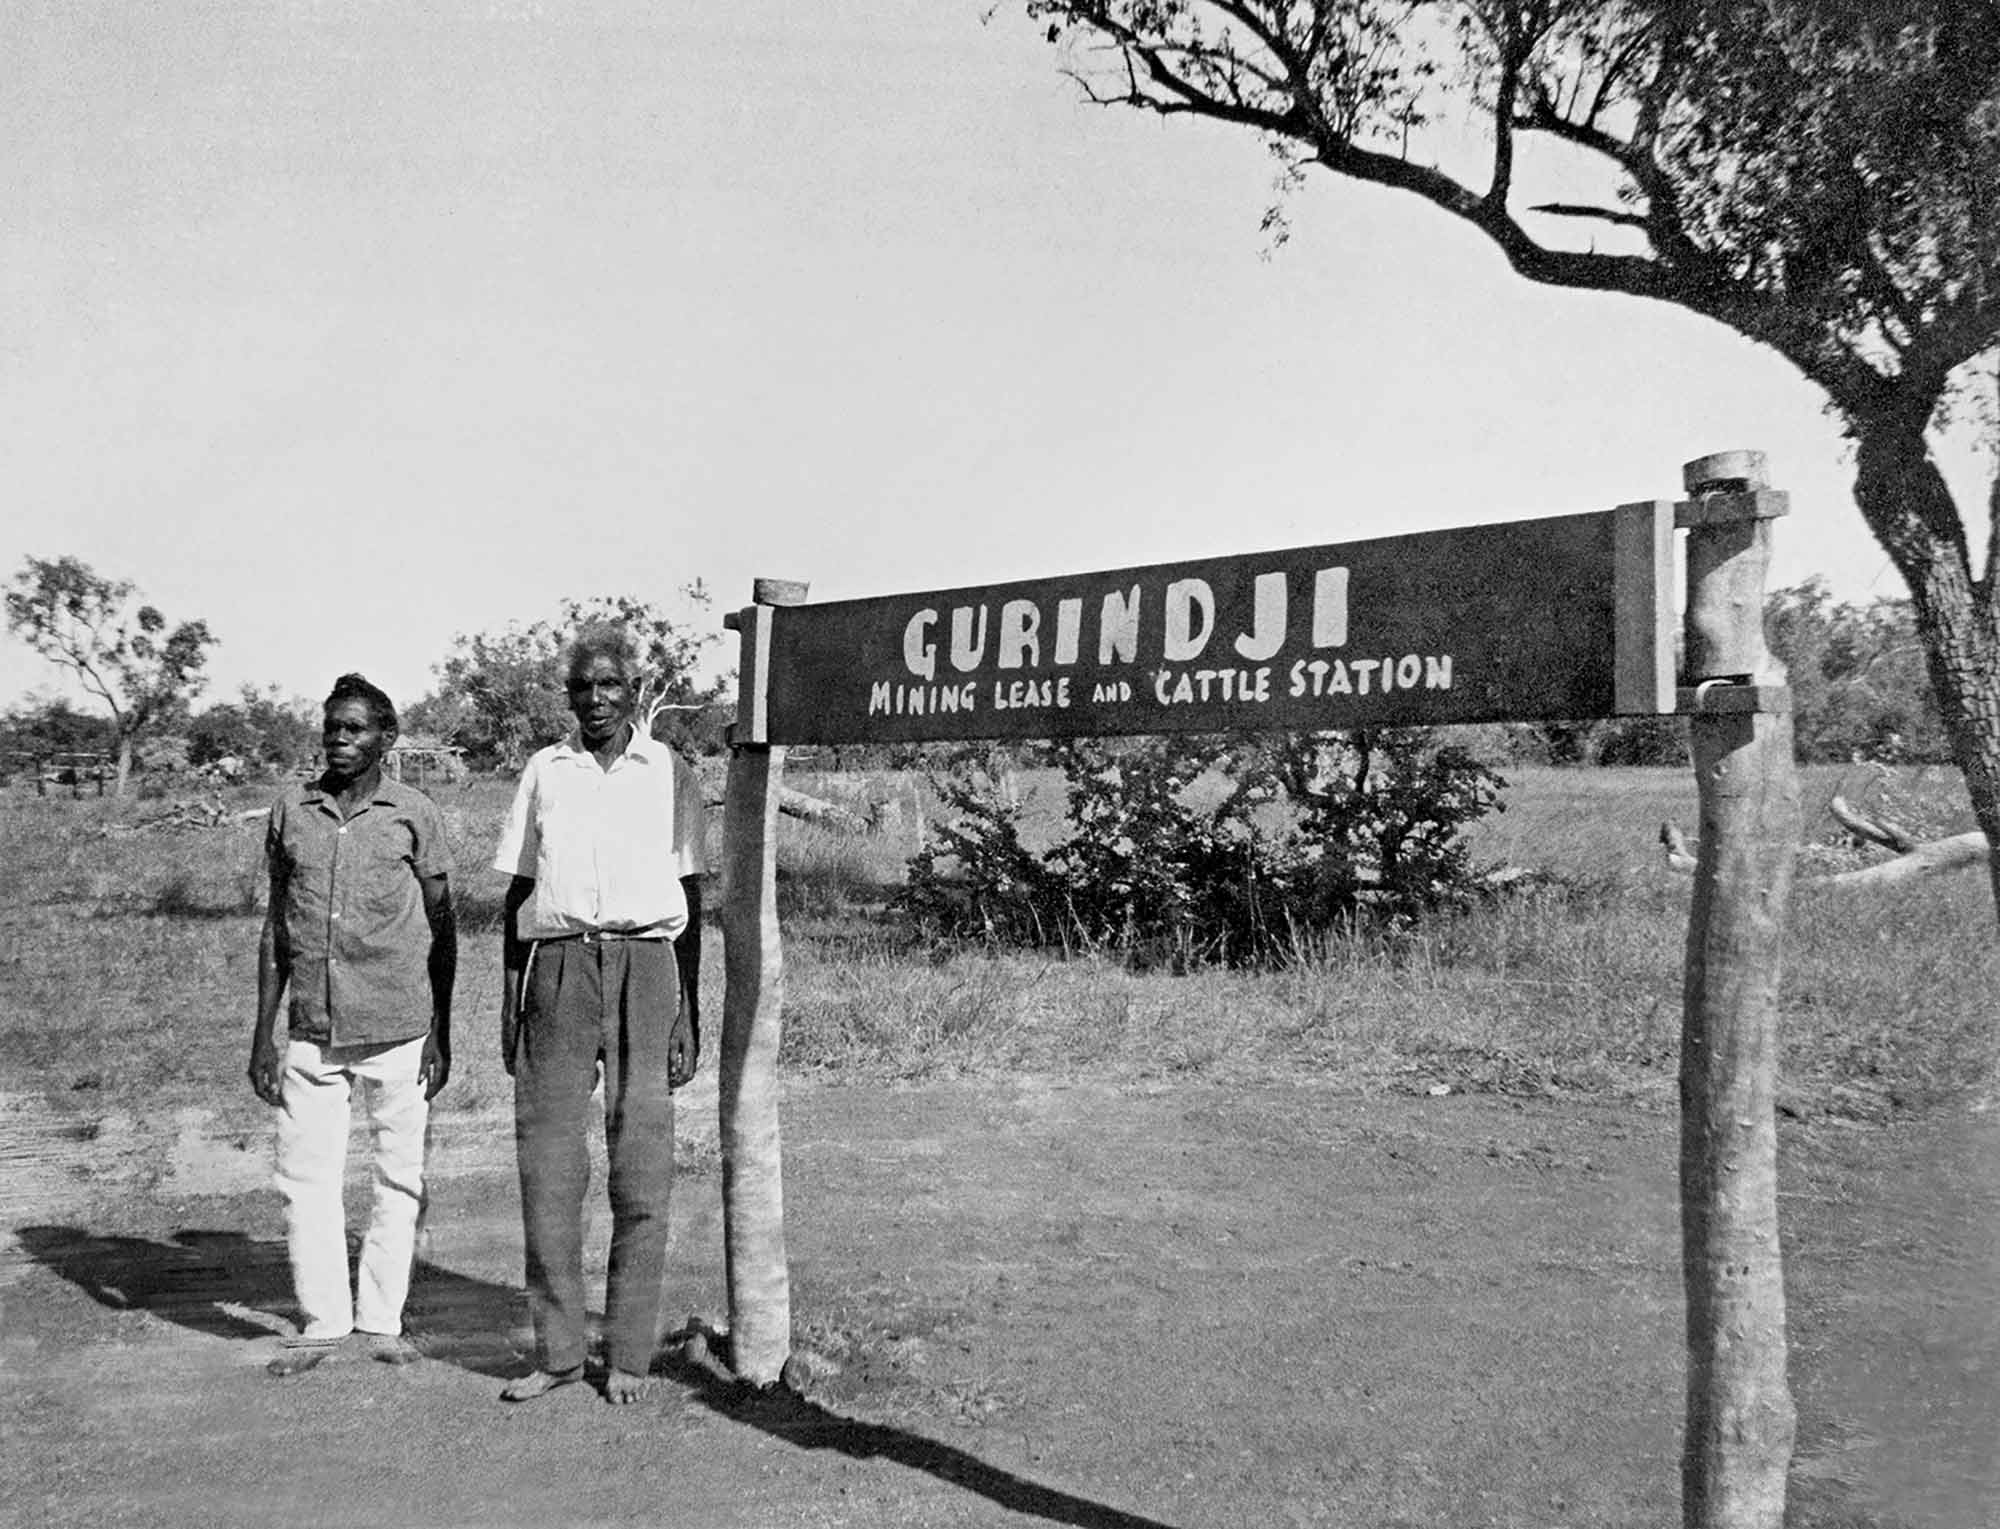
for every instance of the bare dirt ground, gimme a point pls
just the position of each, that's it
(1105, 1303)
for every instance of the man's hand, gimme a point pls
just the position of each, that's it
(267, 1071)
(683, 1047)
(434, 1071)
(516, 957)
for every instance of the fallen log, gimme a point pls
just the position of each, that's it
(1873, 830)
(209, 814)
(810, 809)
(1959, 852)
(817, 810)
(1679, 856)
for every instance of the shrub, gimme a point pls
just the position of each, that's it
(976, 877)
(1197, 849)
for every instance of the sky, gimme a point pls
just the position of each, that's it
(354, 325)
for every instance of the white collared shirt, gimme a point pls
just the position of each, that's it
(606, 848)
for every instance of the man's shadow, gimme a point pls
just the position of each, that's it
(212, 1281)
(221, 1283)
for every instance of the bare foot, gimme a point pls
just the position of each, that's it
(393, 1348)
(622, 1386)
(539, 1383)
(297, 1358)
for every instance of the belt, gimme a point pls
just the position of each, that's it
(604, 937)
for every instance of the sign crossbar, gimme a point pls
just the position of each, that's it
(1562, 617)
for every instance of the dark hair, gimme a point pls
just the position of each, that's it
(352, 687)
(600, 640)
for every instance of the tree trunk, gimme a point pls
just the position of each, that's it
(124, 764)
(1908, 506)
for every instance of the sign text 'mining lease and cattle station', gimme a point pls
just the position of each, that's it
(1560, 617)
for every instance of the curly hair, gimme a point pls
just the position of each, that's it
(600, 640)
(353, 687)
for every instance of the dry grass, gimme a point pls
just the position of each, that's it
(127, 966)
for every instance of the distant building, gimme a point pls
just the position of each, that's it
(421, 761)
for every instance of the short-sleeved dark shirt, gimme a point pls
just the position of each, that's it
(352, 922)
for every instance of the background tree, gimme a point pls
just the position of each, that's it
(143, 671)
(1821, 176)
(1857, 673)
(221, 732)
(497, 696)
(500, 694)
(259, 727)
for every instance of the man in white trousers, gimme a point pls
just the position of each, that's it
(360, 932)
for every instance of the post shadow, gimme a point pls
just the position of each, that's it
(807, 1424)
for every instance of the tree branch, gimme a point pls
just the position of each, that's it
(1602, 214)
(1632, 274)
(1663, 221)
(1507, 92)
(1183, 96)
(1614, 71)
(72, 650)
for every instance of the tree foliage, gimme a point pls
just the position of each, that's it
(500, 694)
(144, 671)
(1859, 691)
(259, 727)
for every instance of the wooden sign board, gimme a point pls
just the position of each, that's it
(1566, 617)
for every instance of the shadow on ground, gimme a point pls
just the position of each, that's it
(806, 1424)
(219, 1283)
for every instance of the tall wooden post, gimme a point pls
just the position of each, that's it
(1738, 1444)
(753, 1196)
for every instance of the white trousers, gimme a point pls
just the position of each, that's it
(312, 1159)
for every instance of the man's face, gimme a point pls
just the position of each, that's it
(601, 696)
(352, 740)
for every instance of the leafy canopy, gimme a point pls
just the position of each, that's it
(1857, 677)
(144, 671)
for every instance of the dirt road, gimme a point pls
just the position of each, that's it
(1100, 1304)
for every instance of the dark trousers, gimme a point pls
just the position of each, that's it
(584, 1002)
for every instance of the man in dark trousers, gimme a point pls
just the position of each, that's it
(360, 932)
(602, 953)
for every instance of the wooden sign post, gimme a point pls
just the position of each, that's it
(1570, 617)
(1738, 1444)
(753, 1192)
